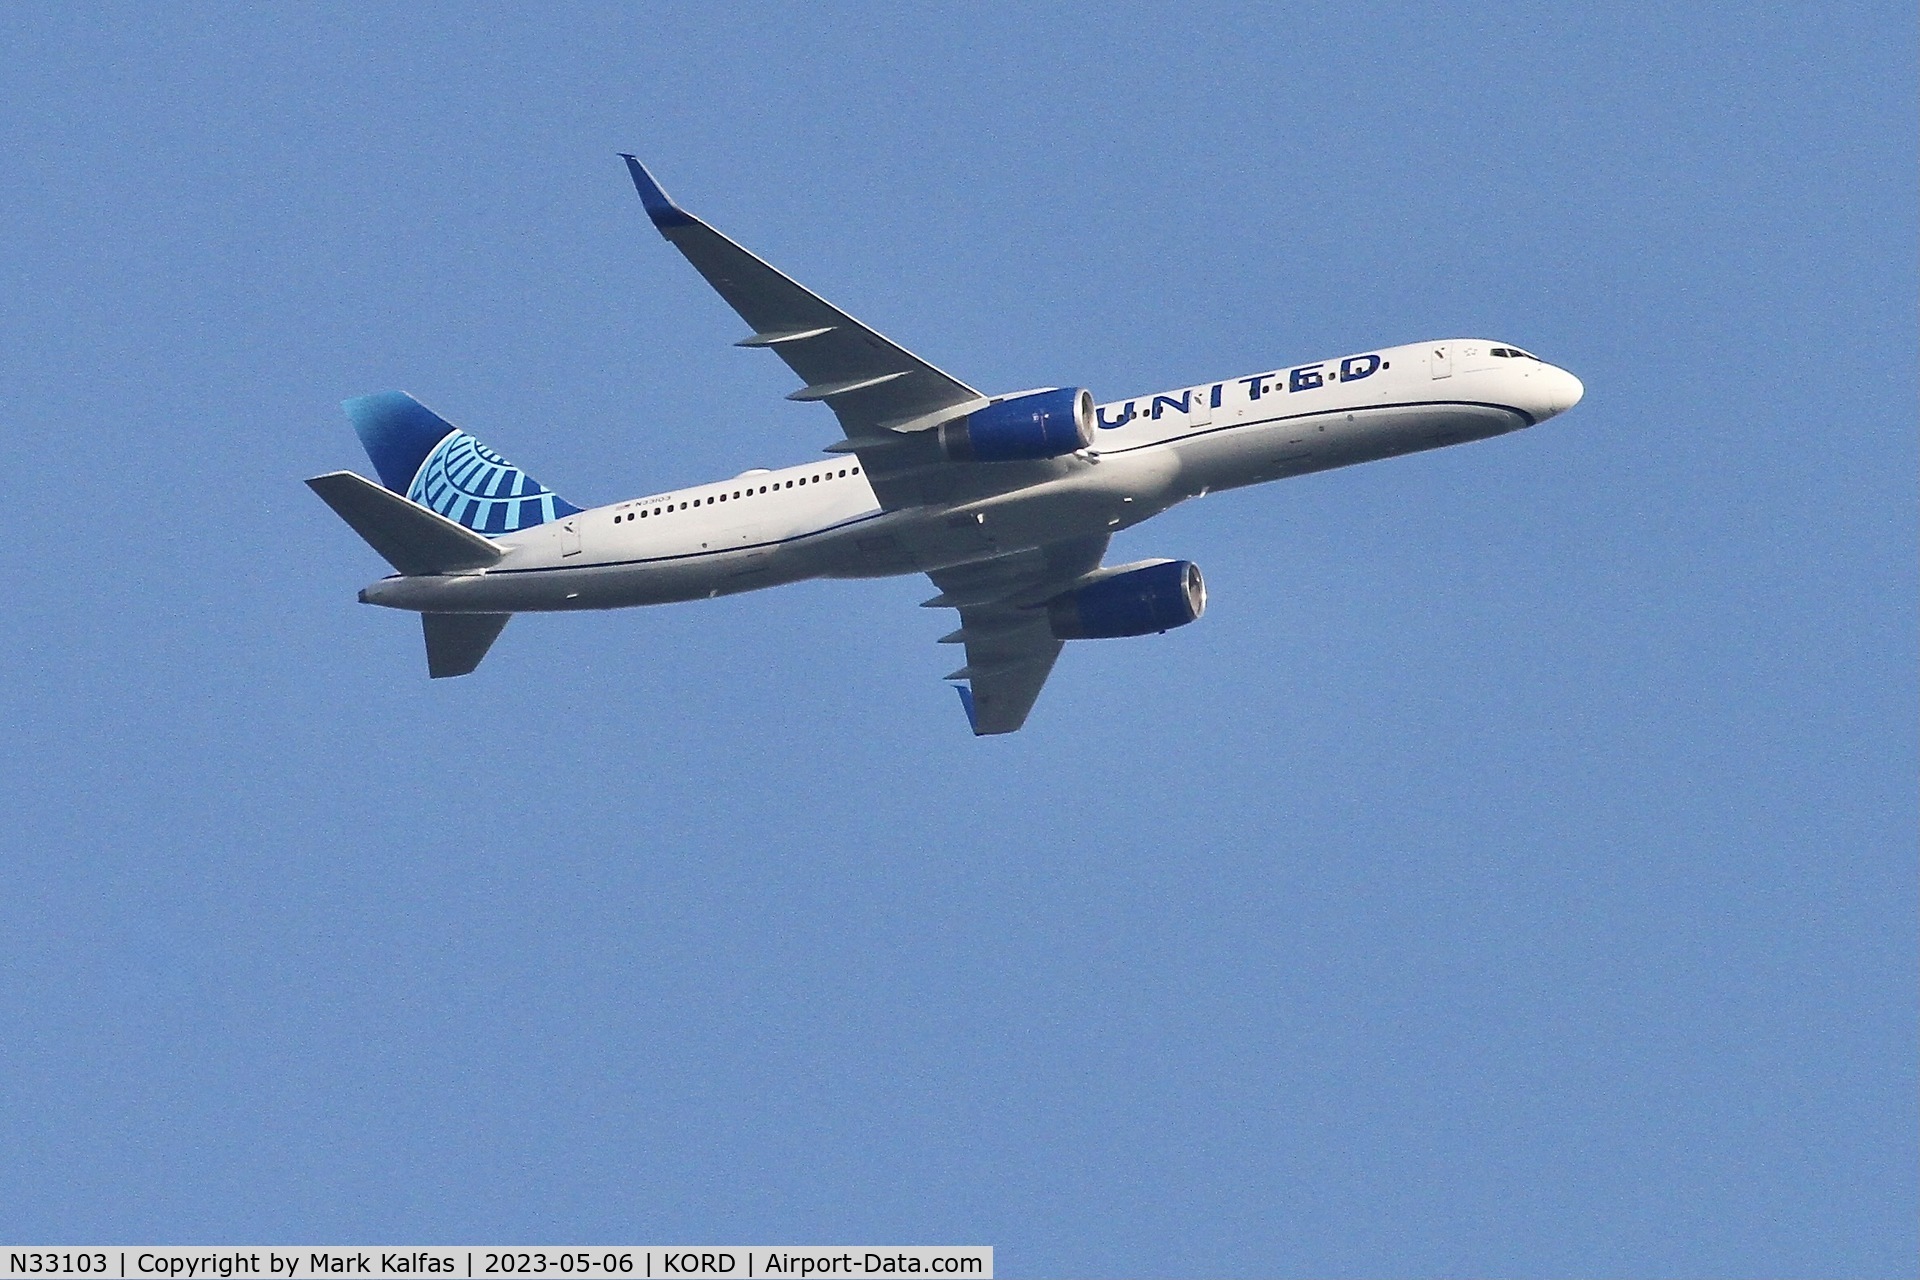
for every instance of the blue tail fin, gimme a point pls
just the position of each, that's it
(422, 456)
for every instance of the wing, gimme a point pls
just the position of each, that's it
(1003, 624)
(886, 397)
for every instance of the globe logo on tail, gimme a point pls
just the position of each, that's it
(472, 485)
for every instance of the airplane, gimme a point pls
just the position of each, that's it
(1007, 502)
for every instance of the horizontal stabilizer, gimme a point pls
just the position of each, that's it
(457, 641)
(409, 537)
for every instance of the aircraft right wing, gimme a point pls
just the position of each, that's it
(886, 398)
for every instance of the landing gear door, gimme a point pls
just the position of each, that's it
(1440, 360)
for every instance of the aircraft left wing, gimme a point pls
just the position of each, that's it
(1003, 624)
(886, 398)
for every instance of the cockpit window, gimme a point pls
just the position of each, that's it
(1515, 353)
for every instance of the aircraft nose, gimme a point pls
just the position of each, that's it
(1559, 391)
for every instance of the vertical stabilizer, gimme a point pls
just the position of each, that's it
(423, 457)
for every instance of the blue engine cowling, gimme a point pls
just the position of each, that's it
(1156, 596)
(1041, 424)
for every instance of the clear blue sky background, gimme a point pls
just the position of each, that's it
(1515, 872)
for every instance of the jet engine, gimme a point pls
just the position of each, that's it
(1132, 600)
(1039, 424)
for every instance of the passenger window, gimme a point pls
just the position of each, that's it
(843, 475)
(856, 471)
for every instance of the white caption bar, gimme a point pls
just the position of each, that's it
(493, 1262)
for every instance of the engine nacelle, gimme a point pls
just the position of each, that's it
(1041, 424)
(1133, 600)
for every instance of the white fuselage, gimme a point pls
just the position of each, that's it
(821, 519)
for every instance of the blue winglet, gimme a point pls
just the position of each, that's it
(966, 700)
(664, 212)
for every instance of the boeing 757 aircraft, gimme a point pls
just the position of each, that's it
(1006, 502)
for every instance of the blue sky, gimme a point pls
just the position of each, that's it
(1514, 873)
